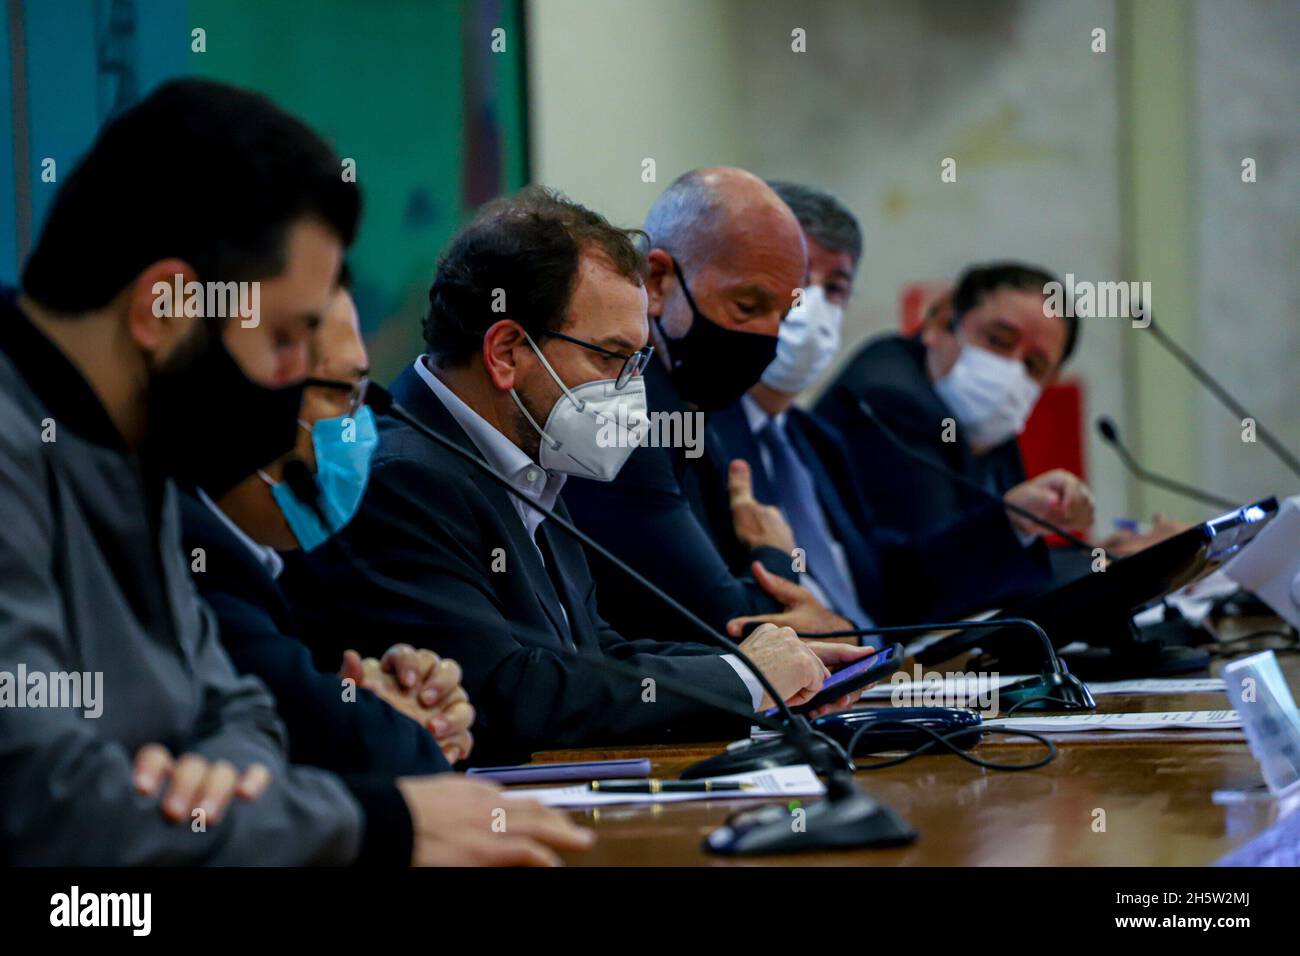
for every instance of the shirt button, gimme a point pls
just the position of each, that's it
(531, 474)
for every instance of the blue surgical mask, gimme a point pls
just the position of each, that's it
(344, 447)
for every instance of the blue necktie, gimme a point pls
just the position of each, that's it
(797, 498)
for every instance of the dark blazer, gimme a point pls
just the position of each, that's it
(890, 373)
(658, 515)
(975, 563)
(438, 557)
(258, 630)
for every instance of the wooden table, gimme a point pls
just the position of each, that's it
(1155, 792)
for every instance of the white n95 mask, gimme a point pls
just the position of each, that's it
(592, 429)
(991, 396)
(806, 344)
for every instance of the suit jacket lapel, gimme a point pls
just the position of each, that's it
(416, 397)
(737, 441)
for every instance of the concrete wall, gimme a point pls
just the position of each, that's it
(1117, 166)
(616, 82)
(1247, 281)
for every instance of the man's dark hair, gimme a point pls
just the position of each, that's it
(978, 281)
(198, 171)
(518, 259)
(823, 217)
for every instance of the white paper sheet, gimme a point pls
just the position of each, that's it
(953, 688)
(795, 781)
(1156, 720)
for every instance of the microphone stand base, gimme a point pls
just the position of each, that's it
(847, 819)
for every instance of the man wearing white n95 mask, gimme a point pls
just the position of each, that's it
(959, 393)
(545, 390)
(800, 463)
(808, 341)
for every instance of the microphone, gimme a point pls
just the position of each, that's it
(1056, 685)
(1071, 538)
(1110, 434)
(1221, 393)
(847, 817)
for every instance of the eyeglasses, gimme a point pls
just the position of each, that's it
(356, 390)
(633, 364)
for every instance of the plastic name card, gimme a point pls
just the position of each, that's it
(1269, 717)
(1270, 566)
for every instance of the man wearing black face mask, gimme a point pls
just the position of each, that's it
(725, 260)
(147, 347)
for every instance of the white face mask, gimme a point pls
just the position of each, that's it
(991, 396)
(592, 429)
(807, 343)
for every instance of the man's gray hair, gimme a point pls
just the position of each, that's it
(687, 218)
(824, 218)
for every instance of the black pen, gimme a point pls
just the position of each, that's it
(667, 786)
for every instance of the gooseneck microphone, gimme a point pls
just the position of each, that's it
(1222, 394)
(1110, 434)
(848, 817)
(1054, 686)
(1073, 539)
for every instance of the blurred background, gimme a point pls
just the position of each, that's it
(1114, 164)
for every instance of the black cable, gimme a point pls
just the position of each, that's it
(945, 740)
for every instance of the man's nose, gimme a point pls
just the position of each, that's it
(293, 365)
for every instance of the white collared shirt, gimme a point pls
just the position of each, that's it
(506, 458)
(529, 478)
(266, 556)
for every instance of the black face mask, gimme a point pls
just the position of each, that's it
(714, 366)
(210, 426)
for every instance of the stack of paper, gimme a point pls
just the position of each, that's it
(1156, 720)
(968, 688)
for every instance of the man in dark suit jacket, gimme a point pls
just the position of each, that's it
(894, 578)
(398, 717)
(726, 257)
(801, 464)
(959, 394)
(259, 631)
(440, 554)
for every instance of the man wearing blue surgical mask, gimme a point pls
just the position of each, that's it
(959, 393)
(801, 464)
(394, 723)
(297, 502)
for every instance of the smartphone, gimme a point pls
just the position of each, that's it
(857, 675)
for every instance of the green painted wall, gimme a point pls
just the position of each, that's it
(385, 82)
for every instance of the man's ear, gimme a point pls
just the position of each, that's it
(938, 321)
(659, 281)
(155, 312)
(502, 344)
